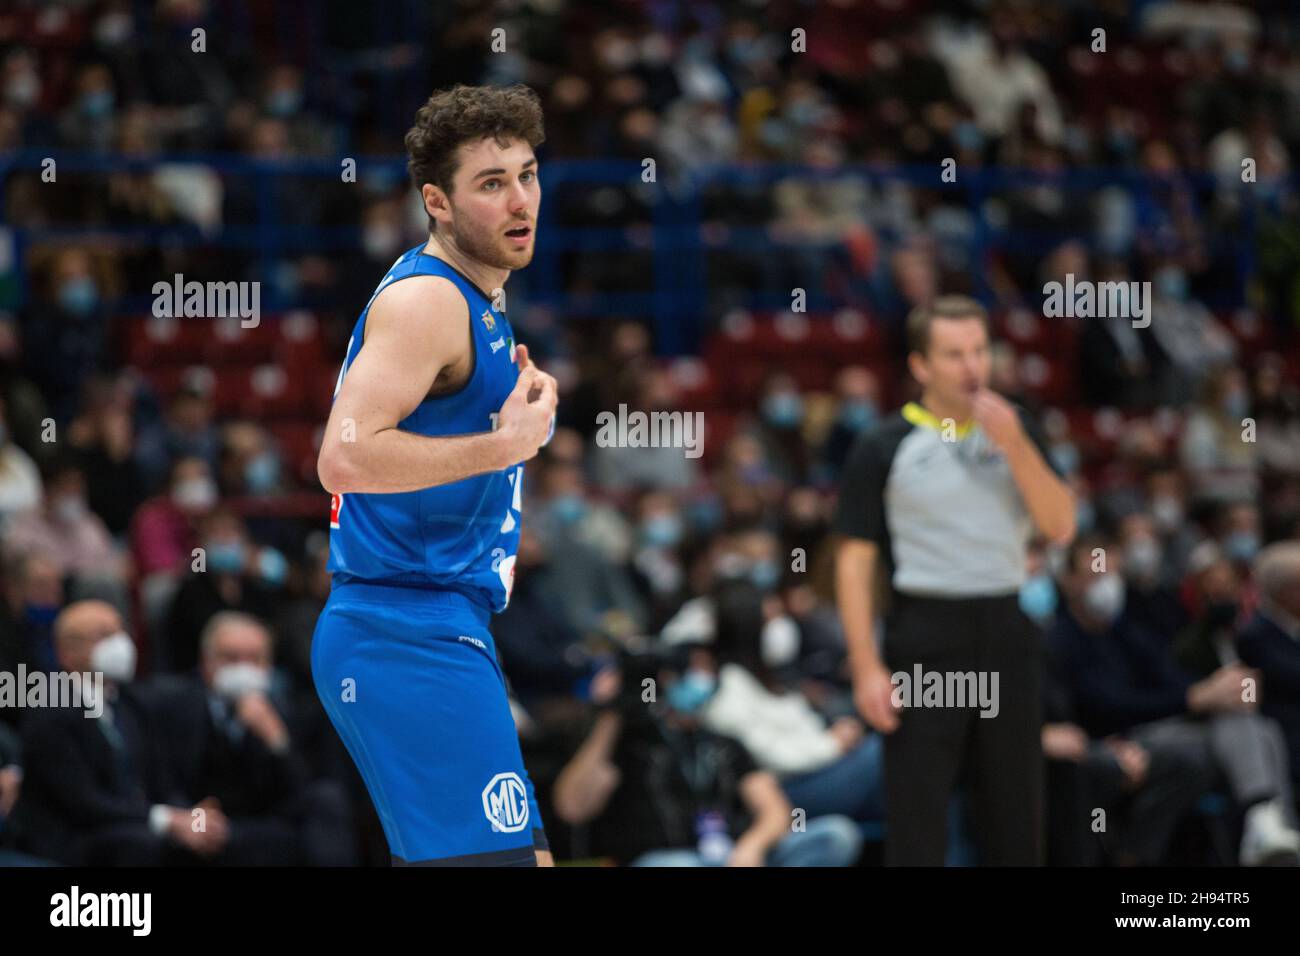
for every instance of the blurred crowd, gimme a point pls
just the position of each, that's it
(147, 536)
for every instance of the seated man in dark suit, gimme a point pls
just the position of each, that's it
(1271, 641)
(1127, 685)
(225, 737)
(95, 788)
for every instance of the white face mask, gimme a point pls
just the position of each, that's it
(1104, 598)
(195, 494)
(114, 657)
(235, 680)
(70, 508)
(779, 641)
(1167, 512)
(1142, 558)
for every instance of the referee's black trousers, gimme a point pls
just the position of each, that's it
(997, 761)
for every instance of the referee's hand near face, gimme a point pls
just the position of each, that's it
(946, 494)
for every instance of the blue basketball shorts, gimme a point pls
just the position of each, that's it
(410, 679)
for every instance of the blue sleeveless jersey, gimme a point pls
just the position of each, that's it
(461, 536)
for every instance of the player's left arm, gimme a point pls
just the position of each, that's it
(1048, 498)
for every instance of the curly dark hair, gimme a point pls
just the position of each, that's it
(464, 114)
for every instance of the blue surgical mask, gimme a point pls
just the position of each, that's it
(783, 409)
(1085, 516)
(968, 136)
(662, 531)
(283, 102)
(568, 508)
(272, 566)
(691, 692)
(857, 414)
(97, 104)
(1065, 457)
(1236, 405)
(1038, 598)
(1171, 283)
(79, 296)
(1241, 545)
(706, 514)
(225, 557)
(764, 574)
(262, 473)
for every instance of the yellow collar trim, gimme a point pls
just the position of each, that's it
(919, 415)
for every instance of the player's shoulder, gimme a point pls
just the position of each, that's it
(420, 291)
(418, 302)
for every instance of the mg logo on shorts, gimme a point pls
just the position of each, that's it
(505, 803)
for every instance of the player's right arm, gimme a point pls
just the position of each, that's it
(416, 328)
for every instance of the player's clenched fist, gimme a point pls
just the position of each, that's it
(525, 418)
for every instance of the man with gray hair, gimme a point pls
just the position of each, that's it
(1271, 641)
(228, 736)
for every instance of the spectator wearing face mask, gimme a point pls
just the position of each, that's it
(250, 463)
(858, 392)
(1151, 602)
(825, 767)
(656, 564)
(1270, 641)
(33, 597)
(228, 737)
(164, 530)
(1187, 332)
(1221, 464)
(69, 533)
(1238, 533)
(96, 790)
(65, 338)
(779, 429)
(1127, 686)
(1141, 792)
(658, 789)
(1208, 642)
(188, 431)
(231, 573)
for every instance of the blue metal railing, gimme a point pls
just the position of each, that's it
(675, 295)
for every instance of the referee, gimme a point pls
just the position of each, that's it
(945, 495)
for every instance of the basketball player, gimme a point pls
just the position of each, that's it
(435, 411)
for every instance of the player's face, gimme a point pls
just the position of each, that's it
(494, 203)
(958, 362)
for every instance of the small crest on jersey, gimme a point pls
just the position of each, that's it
(336, 503)
(489, 323)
